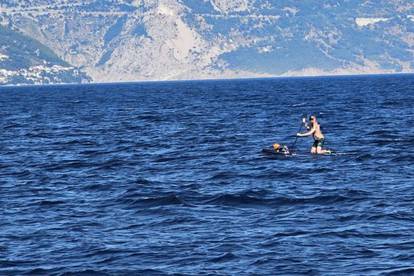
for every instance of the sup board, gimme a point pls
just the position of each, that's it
(271, 152)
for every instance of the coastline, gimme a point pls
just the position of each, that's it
(210, 80)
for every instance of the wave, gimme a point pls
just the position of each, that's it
(223, 176)
(365, 157)
(66, 165)
(112, 163)
(177, 158)
(247, 200)
(14, 125)
(404, 158)
(97, 186)
(400, 271)
(50, 203)
(299, 104)
(384, 142)
(41, 271)
(75, 142)
(92, 153)
(85, 272)
(295, 233)
(158, 201)
(223, 258)
(237, 200)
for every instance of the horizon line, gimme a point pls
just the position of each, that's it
(205, 80)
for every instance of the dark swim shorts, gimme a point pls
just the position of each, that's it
(318, 143)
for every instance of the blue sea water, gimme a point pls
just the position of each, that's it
(169, 179)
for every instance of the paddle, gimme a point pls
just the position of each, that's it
(292, 148)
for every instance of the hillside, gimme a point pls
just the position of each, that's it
(24, 60)
(127, 40)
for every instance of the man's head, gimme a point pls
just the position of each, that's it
(276, 146)
(312, 119)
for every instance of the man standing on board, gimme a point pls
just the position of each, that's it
(314, 129)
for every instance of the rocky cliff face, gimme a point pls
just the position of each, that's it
(127, 40)
(24, 60)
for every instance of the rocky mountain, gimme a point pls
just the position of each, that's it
(24, 60)
(129, 40)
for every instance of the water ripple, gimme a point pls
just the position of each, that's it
(170, 178)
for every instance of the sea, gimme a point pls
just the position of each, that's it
(169, 178)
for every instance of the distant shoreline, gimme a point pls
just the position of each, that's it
(207, 80)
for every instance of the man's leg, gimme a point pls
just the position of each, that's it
(319, 145)
(319, 150)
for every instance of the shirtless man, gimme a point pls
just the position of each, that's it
(314, 129)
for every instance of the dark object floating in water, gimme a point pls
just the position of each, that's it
(272, 152)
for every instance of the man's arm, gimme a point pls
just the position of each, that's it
(310, 132)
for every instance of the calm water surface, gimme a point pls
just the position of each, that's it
(169, 179)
